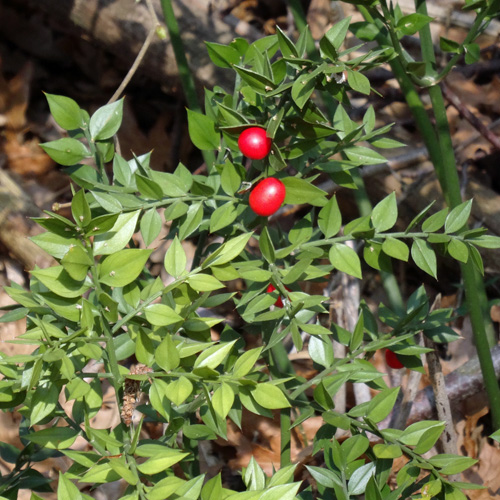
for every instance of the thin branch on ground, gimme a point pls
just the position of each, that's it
(470, 117)
(140, 56)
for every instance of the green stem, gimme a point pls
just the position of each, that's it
(285, 446)
(185, 75)
(474, 287)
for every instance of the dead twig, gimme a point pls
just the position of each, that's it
(470, 117)
(140, 56)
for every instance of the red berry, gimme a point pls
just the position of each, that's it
(279, 302)
(267, 196)
(392, 360)
(254, 143)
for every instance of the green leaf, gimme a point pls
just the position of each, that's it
(410, 24)
(43, 402)
(458, 217)
(424, 257)
(144, 349)
(119, 465)
(281, 492)
(266, 246)
(212, 489)
(269, 396)
(345, 259)
(161, 315)
(458, 250)
(358, 82)
(246, 362)
(160, 461)
(486, 241)
(228, 251)
(287, 47)
(325, 477)
(65, 111)
(175, 259)
(148, 188)
(230, 178)
(122, 231)
(300, 191)
(223, 216)
(321, 350)
(123, 267)
(396, 248)
(191, 221)
(330, 218)
(435, 222)
(429, 439)
(385, 213)
(472, 53)
(412, 435)
(53, 244)
(66, 489)
(166, 354)
(77, 262)
(258, 82)
(57, 280)
(451, 464)
(179, 390)
(54, 438)
(447, 45)
(214, 356)
(337, 33)
(204, 283)
(382, 404)
(363, 155)
(254, 477)
(222, 400)
(202, 131)
(106, 121)
(150, 226)
(302, 89)
(66, 151)
(80, 209)
(359, 479)
(389, 451)
(223, 56)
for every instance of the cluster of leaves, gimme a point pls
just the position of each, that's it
(100, 304)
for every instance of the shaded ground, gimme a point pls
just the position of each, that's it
(31, 182)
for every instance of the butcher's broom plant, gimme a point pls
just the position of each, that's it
(100, 322)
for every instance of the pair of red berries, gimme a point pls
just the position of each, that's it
(268, 195)
(272, 288)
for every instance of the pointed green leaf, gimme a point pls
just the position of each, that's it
(106, 121)
(202, 131)
(330, 218)
(123, 267)
(458, 217)
(424, 257)
(175, 259)
(345, 259)
(385, 213)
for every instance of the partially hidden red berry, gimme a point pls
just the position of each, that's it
(267, 196)
(279, 302)
(392, 360)
(254, 143)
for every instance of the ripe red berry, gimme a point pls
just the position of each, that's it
(254, 143)
(267, 196)
(392, 360)
(279, 302)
